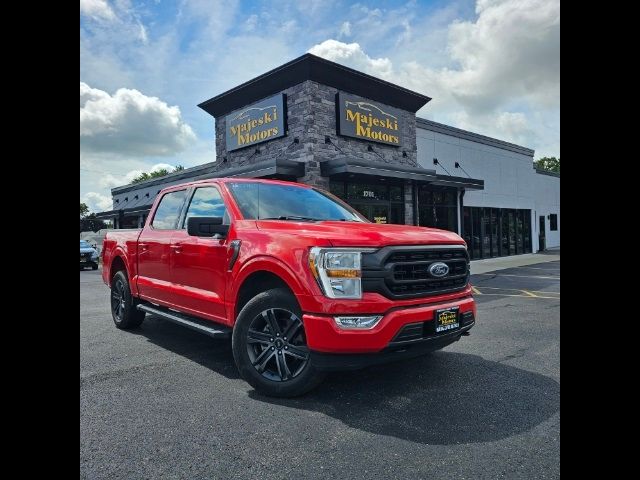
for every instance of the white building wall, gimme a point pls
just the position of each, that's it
(510, 180)
(547, 201)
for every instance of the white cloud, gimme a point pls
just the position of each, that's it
(144, 38)
(97, 202)
(97, 9)
(512, 127)
(345, 30)
(492, 70)
(511, 49)
(130, 123)
(352, 55)
(109, 180)
(502, 66)
(251, 22)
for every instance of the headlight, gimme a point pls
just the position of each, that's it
(94, 255)
(337, 271)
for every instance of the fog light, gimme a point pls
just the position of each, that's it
(362, 323)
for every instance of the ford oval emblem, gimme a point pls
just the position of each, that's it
(438, 269)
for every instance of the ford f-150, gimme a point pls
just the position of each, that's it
(300, 281)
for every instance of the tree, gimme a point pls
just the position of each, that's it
(156, 174)
(84, 209)
(91, 223)
(551, 164)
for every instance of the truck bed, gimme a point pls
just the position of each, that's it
(122, 243)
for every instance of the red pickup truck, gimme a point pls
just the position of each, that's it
(300, 281)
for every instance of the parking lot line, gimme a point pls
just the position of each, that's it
(532, 293)
(521, 276)
(514, 295)
(540, 268)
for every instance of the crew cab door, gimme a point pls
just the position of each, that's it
(199, 264)
(154, 272)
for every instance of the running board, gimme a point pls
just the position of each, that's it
(219, 331)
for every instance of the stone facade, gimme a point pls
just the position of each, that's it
(311, 116)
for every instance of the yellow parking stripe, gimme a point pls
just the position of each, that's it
(476, 291)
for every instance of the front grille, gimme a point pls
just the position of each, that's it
(85, 256)
(411, 331)
(466, 318)
(403, 272)
(419, 330)
(427, 287)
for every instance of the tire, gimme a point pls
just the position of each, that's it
(123, 306)
(94, 267)
(270, 364)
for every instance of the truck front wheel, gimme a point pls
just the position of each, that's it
(123, 306)
(270, 347)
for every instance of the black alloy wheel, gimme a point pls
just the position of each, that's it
(118, 300)
(276, 344)
(123, 306)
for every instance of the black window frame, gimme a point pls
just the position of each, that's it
(553, 222)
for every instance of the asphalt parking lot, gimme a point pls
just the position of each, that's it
(167, 402)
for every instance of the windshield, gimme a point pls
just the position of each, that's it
(289, 202)
(84, 244)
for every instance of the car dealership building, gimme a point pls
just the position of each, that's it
(316, 122)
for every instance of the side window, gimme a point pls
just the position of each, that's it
(206, 202)
(167, 213)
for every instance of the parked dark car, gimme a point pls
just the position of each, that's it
(88, 256)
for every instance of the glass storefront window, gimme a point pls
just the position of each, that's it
(437, 208)
(526, 232)
(358, 191)
(467, 229)
(380, 213)
(519, 231)
(395, 193)
(337, 188)
(397, 214)
(505, 232)
(512, 233)
(476, 239)
(486, 233)
(379, 202)
(493, 232)
(493, 215)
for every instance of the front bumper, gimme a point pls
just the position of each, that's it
(394, 352)
(324, 336)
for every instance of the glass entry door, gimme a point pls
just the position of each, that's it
(375, 213)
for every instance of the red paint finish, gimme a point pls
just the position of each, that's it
(324, 335)
(190, 274)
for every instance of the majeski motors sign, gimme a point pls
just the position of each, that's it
(256, 123)
(366, 120)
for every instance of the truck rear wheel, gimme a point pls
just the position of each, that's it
(270, 347)
(123, 306)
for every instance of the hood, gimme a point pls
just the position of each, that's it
(355, 234)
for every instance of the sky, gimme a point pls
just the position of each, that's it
(490, 66)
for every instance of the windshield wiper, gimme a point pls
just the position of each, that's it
(291, 217)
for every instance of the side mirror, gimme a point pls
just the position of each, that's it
(206, 226)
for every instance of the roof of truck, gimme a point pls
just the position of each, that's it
(236, 180)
